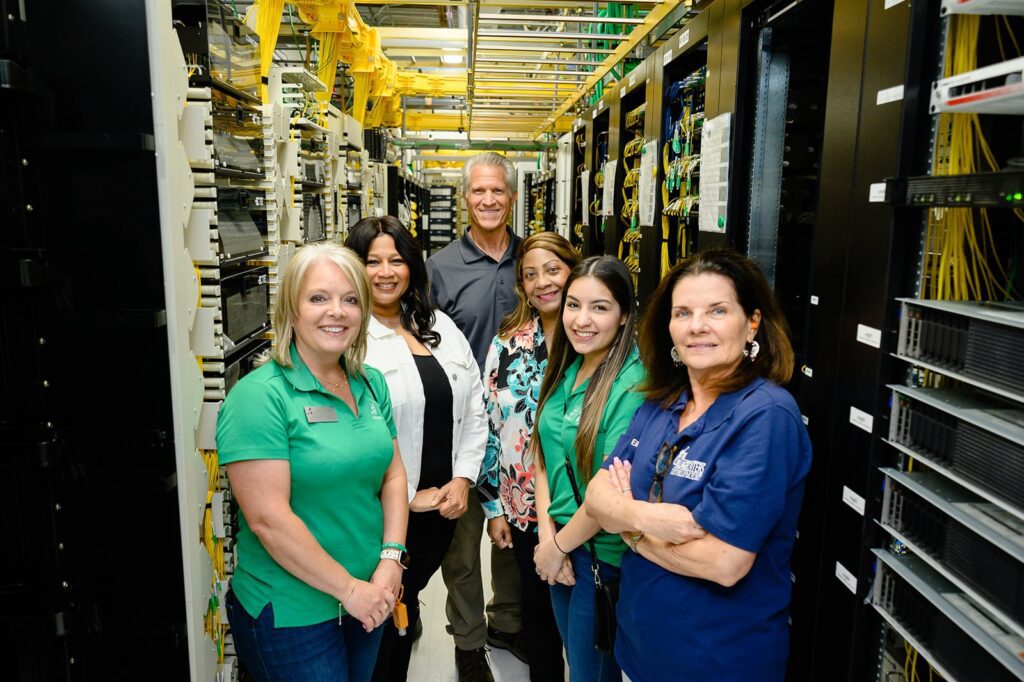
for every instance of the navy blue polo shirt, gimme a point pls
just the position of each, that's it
(474, 290)
(740, 469)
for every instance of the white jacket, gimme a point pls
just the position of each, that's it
(388, 352)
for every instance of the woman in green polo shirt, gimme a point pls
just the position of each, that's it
(310, 449)
(587, 400)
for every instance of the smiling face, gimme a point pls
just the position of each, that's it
(328, 314)
(708, 326)
(489, 199)
(544, 275)
(592, 317)
(388, 273)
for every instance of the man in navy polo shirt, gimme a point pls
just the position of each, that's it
(473, 281)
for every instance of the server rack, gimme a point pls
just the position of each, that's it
(442, 218)
(675, 119)
(580, 178)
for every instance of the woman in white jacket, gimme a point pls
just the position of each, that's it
(436, 399)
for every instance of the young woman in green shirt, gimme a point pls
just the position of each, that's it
(587, 400)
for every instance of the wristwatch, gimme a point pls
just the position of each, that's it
(395, 554)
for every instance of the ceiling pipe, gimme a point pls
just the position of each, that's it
(557, 18)
(510, 145)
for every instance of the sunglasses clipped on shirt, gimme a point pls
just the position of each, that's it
(666, 455)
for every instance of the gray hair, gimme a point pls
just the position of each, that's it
(286, 307)
(491, 159)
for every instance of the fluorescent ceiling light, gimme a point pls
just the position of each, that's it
(451, 58)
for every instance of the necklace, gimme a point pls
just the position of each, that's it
(335, 386)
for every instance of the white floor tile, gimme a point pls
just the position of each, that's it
(433, 656)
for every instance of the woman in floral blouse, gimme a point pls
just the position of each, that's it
(512, 375)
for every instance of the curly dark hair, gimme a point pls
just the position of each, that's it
(417, 312)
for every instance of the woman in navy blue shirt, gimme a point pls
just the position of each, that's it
(706, 484)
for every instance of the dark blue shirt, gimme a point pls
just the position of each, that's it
(474, 290)
(740, 469)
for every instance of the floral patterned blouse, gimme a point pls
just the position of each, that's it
(512, 375)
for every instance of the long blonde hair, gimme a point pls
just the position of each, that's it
(286, 307)
(523, 312)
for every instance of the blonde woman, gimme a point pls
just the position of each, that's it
(310, 449)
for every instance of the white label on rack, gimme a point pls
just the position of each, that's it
(600, 105)
(608, 196)
(622, 92)
(808, 371)
(814, 300)
(889, 4)
(593, 114)
(684, 38)
(876, 192)
(846, 578)
(647, 187)
(853, 500)
(869, 335)
(862, 419)
(666, 58)
(632, 80)
(893, 94)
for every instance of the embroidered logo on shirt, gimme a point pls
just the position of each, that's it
(634, 442)
(375, 412)
(687, 468)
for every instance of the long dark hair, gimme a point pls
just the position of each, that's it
(611, 272)
(774, 360)
(417, 313)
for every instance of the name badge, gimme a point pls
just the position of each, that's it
(318, 415)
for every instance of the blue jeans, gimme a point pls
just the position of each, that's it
(574, 613)
(324, 652)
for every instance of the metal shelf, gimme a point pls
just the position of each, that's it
(937, 590)
(972, 407)
(961, 377)
(960, 480)
(914, 642)
(960, 506)
(1010, 314)
(937, 566)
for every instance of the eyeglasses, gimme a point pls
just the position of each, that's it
(666, 455)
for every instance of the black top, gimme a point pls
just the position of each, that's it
(436, 462)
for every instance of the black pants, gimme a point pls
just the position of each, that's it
(540, 632)
(428, 538)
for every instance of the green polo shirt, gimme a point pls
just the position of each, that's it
(558, 425)
(337, 468)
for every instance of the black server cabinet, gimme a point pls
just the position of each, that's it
(87, 475)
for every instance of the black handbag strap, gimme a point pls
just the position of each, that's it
(579, 503)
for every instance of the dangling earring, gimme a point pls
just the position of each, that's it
(755, 348)
(675, 357)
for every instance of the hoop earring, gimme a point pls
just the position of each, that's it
(675, 357)
(755, 348)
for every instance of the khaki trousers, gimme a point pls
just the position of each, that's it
(461, 572)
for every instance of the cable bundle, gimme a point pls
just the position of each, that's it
(960, 260)
(680, 162)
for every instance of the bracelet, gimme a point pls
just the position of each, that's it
(554, 539)
(635, 539)
(350, 591)
(394, 545)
